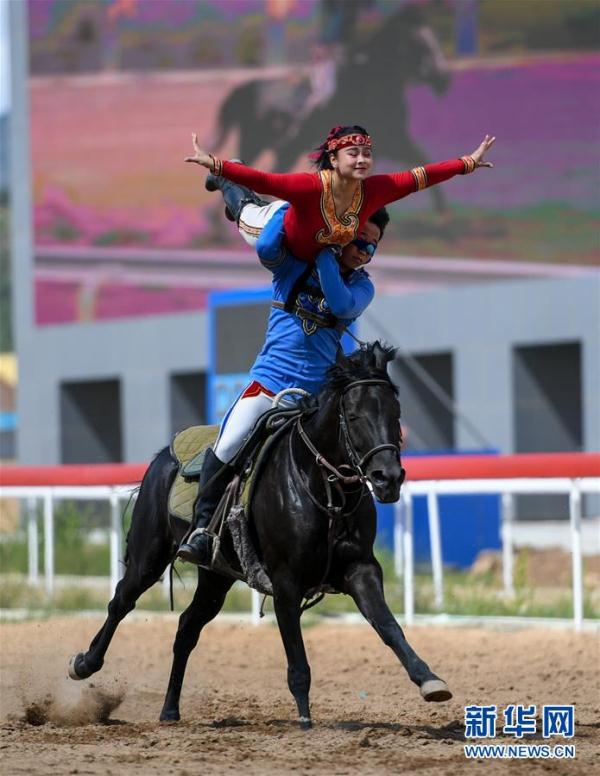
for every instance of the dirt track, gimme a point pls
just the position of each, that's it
(238, 715)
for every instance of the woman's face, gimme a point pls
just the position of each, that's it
(353, 162)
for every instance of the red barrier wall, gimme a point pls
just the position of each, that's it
(468, 467)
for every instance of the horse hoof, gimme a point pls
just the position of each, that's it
(170, 715)
(435, 690)
(77, 662)
(305, 723)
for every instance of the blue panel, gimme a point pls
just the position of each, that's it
(221, 386)
(385, 526)
(468, 524)
(8, 421)
(225, 390)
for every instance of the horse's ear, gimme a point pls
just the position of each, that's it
(383, 356)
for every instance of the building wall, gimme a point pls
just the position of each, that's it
(141, 354)
(478, 326)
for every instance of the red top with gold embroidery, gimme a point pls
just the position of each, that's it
(312, 222)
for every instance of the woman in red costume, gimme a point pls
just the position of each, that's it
(330, 206)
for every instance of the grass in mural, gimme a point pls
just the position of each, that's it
(545, 233)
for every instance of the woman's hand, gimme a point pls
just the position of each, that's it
(200, 157)
(479, 153)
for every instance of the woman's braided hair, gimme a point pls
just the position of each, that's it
(320, 156)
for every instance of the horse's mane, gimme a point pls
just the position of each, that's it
(362, 364)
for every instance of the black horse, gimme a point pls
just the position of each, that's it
(314, 521)
(371, 91)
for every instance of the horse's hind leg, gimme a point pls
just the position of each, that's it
(150, 547)
(363, 581)
(207, 603)
(137, 579)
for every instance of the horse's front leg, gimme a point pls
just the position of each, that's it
(287, 610)
(364, 582)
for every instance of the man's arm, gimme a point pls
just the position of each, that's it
(344, 301)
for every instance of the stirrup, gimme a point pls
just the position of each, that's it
(200, 556)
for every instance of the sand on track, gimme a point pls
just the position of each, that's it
(238, 716)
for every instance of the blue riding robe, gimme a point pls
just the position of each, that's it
(297, 353)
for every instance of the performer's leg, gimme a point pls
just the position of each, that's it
(244, 206)
(216, 471)
(235, 195)
(253, 218)
(239, 421)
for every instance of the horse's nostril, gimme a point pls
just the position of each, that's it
(378, 476)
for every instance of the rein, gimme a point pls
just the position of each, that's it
(333, 480)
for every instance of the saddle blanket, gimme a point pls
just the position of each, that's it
(189, 448)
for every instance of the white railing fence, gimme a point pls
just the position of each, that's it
(419, 485)
(507, 489)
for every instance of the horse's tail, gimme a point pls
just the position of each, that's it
(132, 496)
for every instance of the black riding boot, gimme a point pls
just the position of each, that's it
(198, 546)
(235, 196)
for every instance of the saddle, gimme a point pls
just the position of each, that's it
(233, 514)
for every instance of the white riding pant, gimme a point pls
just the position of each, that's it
(241, 417)
(254, 217)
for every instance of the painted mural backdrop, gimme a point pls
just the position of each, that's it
(117, 87)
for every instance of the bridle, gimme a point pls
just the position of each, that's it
(333, 480)
(357, 463)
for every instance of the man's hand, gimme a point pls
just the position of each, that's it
(200, 157)
(478, 154)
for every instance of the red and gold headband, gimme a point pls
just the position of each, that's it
(349, 140)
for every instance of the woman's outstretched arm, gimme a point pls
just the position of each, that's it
(388, 188)
(290, 186)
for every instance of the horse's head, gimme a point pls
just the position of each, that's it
(408, 48)
(369, 415)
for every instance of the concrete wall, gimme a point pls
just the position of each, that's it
(480, 325)
(141, 353)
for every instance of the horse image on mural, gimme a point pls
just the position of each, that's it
(311, 518)
(371, 83)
